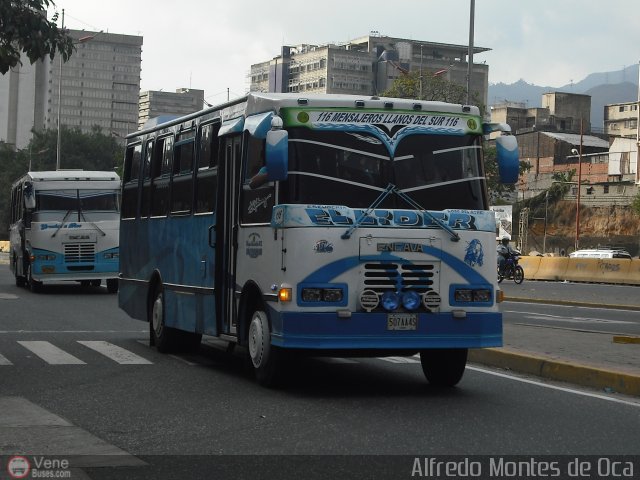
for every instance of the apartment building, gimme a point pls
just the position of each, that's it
(365, 66)
(159, 104)
(99, 85)
(560, 112)
(621, 120)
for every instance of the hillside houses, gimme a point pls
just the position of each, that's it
(556, 140)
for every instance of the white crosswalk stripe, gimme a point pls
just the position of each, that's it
(4, 360)
(115, 353)
(50, 353)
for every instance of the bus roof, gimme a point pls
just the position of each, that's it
(259, 102)
(73, 175)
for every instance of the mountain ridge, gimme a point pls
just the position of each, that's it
(603, 87)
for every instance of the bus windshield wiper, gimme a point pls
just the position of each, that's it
(62, 222)
(454, 235)
(390, 188)
(82, 216)
(393, 189)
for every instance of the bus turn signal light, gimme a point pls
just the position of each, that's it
(285, 295)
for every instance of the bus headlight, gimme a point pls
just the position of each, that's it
(322, 294)
(46, 257)
(111, 255)
(472, 295)
(411, 300)
(390, 301)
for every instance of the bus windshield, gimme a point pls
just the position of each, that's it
(352, 169)
(77, 200)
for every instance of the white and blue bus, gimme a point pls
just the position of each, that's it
(372, 235)
(64, 226)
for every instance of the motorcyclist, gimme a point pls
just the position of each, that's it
(504, 251)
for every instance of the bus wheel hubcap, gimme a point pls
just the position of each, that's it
(258, 335)
(156, 315)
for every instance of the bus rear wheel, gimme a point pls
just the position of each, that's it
(266, 359)
(444, 367)
(163, 337)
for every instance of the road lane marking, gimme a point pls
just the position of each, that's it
(4, 360)
(555, 387)
(399, 359)
(115, 353)
(50, 353)
(561, 318)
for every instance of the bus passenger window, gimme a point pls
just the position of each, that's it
(182, 182)
(132, 163)
(146, 180)
(160, 176)
(207, 173)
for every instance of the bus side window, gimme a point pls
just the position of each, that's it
(145, 201)
(182, 181)
(263, 194)
(161, 176)
(207, 172)
(130, 181)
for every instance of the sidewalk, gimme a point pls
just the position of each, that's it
(575, 356)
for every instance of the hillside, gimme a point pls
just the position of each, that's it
(604, 88)
(599, 226)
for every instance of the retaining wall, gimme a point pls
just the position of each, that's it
(590, 270)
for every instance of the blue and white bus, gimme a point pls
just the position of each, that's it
(64, 226)
(371, 236)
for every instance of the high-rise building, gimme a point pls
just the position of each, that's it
(366, 66)
(159, 104)
(99, 85)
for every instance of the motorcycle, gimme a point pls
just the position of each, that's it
(511, 270)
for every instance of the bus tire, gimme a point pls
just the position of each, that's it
(163, 337)
(34, 285)
(444, 367)
(265, 358)
(112, 285)
(20, 280)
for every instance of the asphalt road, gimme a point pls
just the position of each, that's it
(134, 404)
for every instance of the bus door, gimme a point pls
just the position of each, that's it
(227, 234)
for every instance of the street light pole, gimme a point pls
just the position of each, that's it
(579, 185)
(546, 209)
(59, 99)
(470, 54)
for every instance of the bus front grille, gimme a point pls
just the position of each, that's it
(381, 277)
(79, 253)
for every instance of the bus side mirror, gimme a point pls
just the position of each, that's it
(29, 197)
(507, 158)
(277, 154)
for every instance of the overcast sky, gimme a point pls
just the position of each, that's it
(210, 44)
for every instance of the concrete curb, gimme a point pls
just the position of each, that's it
(620, 382)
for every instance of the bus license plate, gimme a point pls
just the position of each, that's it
(402, 321)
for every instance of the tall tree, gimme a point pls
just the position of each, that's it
(24, 28)
(434, 88)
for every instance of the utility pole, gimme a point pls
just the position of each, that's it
(470, 55)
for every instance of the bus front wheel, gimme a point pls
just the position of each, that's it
(265, 358)
(444, 367)
(112, 285)
(34, 285)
